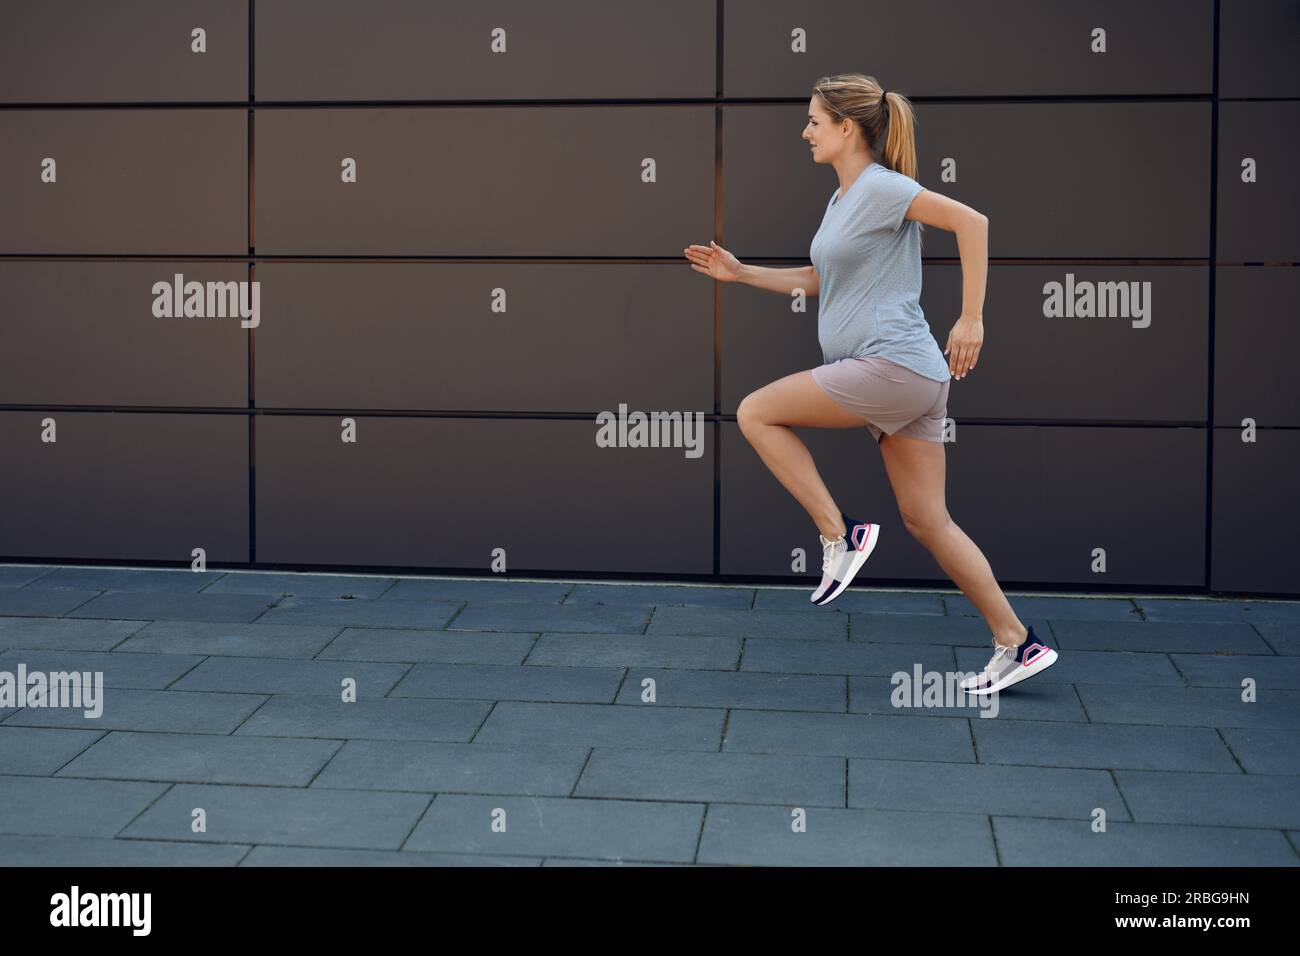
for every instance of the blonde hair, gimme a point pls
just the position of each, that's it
(888, 123)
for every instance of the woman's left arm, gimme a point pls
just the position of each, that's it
(972, 229)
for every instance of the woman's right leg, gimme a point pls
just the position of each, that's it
(765, 418)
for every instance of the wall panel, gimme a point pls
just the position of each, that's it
(127, 486)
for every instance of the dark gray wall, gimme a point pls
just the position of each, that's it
(488, 179)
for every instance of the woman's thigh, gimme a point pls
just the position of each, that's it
(796, 399)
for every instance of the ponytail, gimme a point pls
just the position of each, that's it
(899, 123)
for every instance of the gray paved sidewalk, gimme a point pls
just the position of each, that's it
(655, 724)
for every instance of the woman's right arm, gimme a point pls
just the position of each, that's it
(781, 280)
(715, 261)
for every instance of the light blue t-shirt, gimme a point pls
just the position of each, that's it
(868, 258)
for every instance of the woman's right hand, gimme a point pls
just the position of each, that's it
(713, 260)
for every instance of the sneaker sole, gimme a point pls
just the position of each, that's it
(859, 559)
(816, 597)
(1022, 673)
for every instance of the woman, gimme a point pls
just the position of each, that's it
(883, 366)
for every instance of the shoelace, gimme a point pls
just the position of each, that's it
(829, 549)
(1002, 651)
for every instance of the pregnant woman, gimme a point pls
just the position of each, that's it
(883, 368)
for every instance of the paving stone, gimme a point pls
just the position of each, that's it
(382, 719)
(167, 606)
(676, 688)
(1272, 612)
(297, 583)
(522, 725)
(650, 595)
(453, 767)
(31, 806)
(728, 622)
(1189, 610)
(62, 634)
(84, 851)
(39, 751)
(560, 861)
(145, 671)
(19, 575)
(1190, 707)
(1202, 610)
(1055, 607)
(446, 647)
(849, 735)
(284, 815)
(310, 856)
(254, 675)
(230, 640)
(1102, 746)
(548, 826)
(596, 685)
(480, 592)
(1262, 751)
(359, 611)
(930, 629)
(759, 836)
(42, 602)
(713, 777)
(161, 710)
(1025, 841)
(585, 618)
(832, 657)
(1092, 667)
(173, 580)
(203, 758)
(1261, 801)
(1229, 670)
(853, 599)
(1282, 638)
(1158, 638)
(685, 652)
(65, 635)
(1037, 702)
(527, 695)
(982, 788)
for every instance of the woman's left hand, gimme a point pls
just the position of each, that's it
(964, 343)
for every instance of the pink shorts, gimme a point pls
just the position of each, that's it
(893, 399)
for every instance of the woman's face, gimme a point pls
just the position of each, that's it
(826, 137)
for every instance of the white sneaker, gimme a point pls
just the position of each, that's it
(842, 557)
(1011, 665)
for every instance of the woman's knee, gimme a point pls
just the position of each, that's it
(749, 412)
(925, 524)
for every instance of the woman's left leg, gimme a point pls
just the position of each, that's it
(916, 471)
(766, 416)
